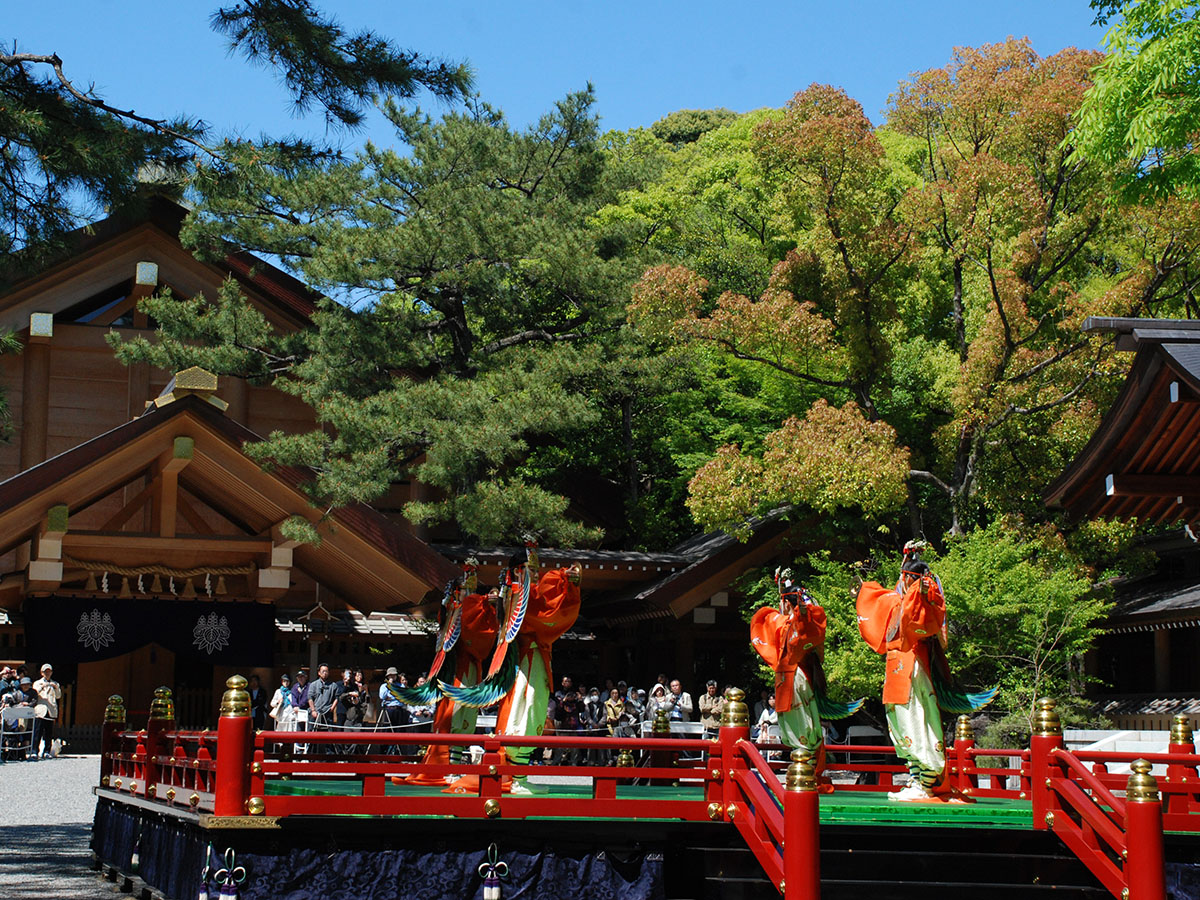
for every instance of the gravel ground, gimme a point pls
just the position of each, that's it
(45, 825)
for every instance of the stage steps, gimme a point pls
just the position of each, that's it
(901, 863)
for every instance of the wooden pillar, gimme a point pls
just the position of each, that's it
(35, 390)
(1162, 659)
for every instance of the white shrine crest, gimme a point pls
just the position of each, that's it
(211, 634)
(96, 630)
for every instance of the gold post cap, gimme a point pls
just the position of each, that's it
(1045, 720)
(662, 724)
(115, 710)
(963, 730)
(162, 707)
(1181, 729)
(801, 773)
(625, 758)
(235, 702)
(735, 713)
(1141, 786)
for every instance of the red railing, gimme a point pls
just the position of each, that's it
(1113, 828)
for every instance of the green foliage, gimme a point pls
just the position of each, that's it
(320, 63)
(1022, 613)
(1143, 112)
(483, 308)
(685, 126)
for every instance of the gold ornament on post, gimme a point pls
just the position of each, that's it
(162, 706)
(801, 774)
(115, 710)
(735, 713)
(1181, 729)
(1141, 786)
(625, 758)
(235, 701)
(963, 730)
(662, 724)
(1045, 720)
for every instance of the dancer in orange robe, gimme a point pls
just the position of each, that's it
(477, 620)
(904, 624)
(790, 640)
(551, 610)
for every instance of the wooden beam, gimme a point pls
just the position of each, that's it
(192, 517)
(167, 508)
(49, 544)
(216, 543)
(1123, 485)
(126, 512)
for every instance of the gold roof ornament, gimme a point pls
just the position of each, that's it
(194, 380)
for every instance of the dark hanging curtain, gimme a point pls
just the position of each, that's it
(66, 631)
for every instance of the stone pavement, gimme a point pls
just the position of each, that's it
(45, 825)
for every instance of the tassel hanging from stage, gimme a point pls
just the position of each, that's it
(125, 593)
(156, 584)
(91, 582)
(221, 589)
(491, 872)
(188, 591)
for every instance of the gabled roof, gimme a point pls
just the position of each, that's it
(368, 561)
(714, 561)
(106, 252)
(1144, 460)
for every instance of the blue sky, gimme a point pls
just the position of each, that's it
(645, 59)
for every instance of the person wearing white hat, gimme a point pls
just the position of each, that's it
(49, 693)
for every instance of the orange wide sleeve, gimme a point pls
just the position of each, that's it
(553, 608)
(765, 636)
(876, 605)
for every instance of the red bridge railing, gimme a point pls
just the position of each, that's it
(1113, 823)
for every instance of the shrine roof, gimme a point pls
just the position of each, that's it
(368, 560)
(1143, 461)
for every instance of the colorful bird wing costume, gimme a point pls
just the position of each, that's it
(491, 690)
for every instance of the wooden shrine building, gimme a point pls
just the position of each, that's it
(1143, 463)
(126, 487)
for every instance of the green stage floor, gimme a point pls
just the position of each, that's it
(844, 808)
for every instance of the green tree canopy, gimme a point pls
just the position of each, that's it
(1143, 113)
(473, 309)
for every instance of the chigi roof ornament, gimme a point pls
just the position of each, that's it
(194, 380)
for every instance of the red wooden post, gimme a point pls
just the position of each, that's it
(964, 743)
(801, 831)
(1177, 773)
(1143, 835)
(235, 743)
(1047, 737)
(162, 720)
(114, 723)
(735, 726)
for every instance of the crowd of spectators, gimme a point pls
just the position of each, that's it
(351, 702)
(28, 713)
